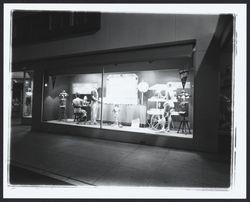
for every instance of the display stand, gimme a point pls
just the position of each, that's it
(184, 124)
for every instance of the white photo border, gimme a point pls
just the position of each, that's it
(238, 188)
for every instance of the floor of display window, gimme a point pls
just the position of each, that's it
(172, 132)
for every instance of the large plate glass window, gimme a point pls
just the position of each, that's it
(153, 101)
(73, 99)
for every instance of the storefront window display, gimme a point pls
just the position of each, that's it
(28, 94)
(158, 102)
(152, 101)
(73, 99)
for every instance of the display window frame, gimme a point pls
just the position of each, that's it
(112, 68)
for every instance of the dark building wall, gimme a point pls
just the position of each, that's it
(37, 106)
(128, 30)
(226, 112)
(206, 104)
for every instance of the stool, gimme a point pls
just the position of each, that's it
(80, 115)
(184, 124)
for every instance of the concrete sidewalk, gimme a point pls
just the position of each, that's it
(93, 162)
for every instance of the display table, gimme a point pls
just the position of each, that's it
(128, 112)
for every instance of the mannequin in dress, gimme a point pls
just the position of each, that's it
(94, 106)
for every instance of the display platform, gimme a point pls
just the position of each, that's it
(171, 133)
(72, 122)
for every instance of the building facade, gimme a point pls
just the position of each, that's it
(153, 79)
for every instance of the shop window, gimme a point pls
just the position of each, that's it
(150, 102)
(73, 99)
(155, 102)
(28, 94)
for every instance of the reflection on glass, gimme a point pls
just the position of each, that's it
(28, 89)
(73, 99)
(149, 102)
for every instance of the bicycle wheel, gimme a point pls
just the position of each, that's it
(156, 122)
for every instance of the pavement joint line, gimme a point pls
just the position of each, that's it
(47, 173)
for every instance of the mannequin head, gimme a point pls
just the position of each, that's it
(77, 95)
(94, 92)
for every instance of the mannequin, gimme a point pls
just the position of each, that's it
(77, 104)
(168, 105)
(116, 112)
(94, 106)
(62, 104)
(28, 102)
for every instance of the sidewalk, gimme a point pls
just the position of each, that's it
(94, 162)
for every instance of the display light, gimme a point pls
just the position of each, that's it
(143, 87)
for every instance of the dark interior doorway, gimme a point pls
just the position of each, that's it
(16, 99)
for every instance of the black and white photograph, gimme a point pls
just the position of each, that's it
(124, 100)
